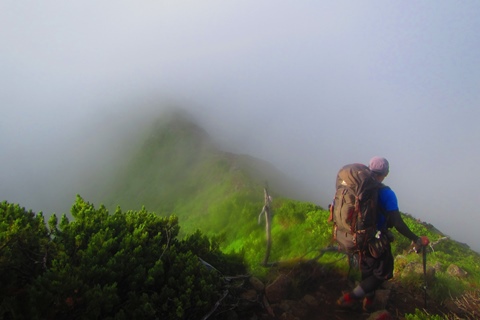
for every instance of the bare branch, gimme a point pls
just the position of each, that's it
(268, 219)
(217, 304)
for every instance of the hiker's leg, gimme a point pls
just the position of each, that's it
(369, 285)
(369, 282)
(384, 266)
(374, 273)
(372, 277)
(370, 268)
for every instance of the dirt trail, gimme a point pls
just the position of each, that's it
(312, 294)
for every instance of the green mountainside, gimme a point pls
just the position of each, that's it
(180, 229)
(176, 169)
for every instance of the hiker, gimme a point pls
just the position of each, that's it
(376, 270)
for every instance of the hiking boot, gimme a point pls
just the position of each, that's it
(348, 302)
(368, 304)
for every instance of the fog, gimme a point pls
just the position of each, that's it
(308, 86)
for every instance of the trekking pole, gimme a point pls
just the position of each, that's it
(424, 253)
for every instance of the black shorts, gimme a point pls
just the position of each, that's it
(381, 267)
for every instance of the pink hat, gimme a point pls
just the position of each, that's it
(379, 165)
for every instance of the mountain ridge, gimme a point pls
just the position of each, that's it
(176, 168)
(176, 162)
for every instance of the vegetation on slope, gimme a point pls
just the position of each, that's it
(139, 263)
(178, 170)
(125, 265)
(129, 265)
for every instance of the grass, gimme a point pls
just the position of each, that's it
(177, 171)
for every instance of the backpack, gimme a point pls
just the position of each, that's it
(354, 208)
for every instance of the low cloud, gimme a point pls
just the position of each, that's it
(308, 87)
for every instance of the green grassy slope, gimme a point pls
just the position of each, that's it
(177, 170)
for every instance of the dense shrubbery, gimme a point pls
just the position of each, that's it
(132, 265)
(126, 265)
(24, 254)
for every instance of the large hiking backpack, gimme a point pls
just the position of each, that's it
(354, 209)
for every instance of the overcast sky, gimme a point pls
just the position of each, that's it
(307, 85)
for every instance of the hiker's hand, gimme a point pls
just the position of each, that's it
(423, 241)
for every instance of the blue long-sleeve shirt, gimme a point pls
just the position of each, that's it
(387, 200)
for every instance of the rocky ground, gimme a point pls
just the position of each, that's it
(308, 291)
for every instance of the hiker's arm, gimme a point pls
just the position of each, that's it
(395, 220)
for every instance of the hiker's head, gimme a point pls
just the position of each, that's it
(379, 166)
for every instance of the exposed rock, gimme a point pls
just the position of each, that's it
(285, 305)
(456, 271)
(452, 306)
(291, 295)
(257, 284)
(387, 285)
(322, 294)
(298, 308)
(279, 289)
(380, 315)
(267, 306)
(232, 315)
(295, 309)
(381, 298)
(310, 300)
(250, 295)
(417, 268)
(438, 266)
(288, 316)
